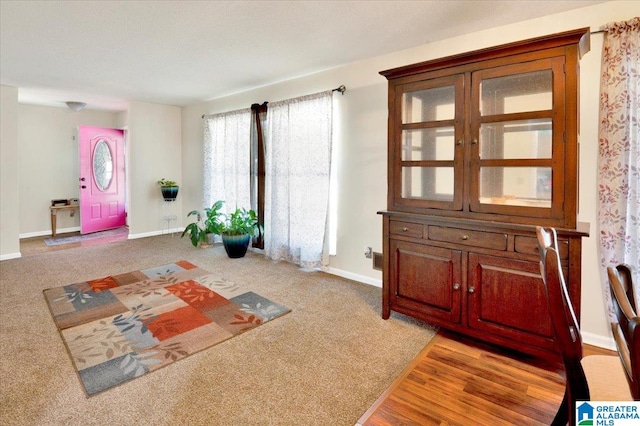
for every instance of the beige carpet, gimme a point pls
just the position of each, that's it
(324, 363)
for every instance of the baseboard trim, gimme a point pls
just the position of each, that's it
(77, 229)
(355, 277)
(10, 256)
(605, 342)
(154, 233)
(44, 233)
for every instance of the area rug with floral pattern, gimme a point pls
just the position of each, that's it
(121, 327)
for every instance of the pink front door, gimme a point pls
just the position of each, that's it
(102, 183)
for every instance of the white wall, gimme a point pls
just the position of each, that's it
(48, 163)
(9, 217)
(363, 133)
(154, 147)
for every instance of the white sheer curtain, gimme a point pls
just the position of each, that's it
(227, 159)
(619, 152)
(298, 163)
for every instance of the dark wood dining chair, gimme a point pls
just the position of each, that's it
(595, 377)
(622, 273)
(626, 330)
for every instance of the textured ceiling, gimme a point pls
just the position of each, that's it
(182, 52)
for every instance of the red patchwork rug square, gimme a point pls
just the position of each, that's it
(120, 327)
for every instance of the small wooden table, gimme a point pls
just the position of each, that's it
(54, 212)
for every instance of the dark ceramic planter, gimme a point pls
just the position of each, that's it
(236, 245)
(169, 192)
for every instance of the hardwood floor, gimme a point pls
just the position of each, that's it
(458, 381)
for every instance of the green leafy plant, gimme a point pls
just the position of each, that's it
(165, 182)
(211, 221)
(242, 221)
(196, 233)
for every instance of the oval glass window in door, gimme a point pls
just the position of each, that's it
(102, 165)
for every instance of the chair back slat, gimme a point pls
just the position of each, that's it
(626, 328)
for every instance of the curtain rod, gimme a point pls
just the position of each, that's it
(597, 32)
(342, 88)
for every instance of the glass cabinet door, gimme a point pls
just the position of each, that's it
(428, 144)
(517, 139)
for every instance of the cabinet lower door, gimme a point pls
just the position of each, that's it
(426, 279)
(507, 297)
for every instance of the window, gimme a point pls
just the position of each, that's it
(277, 159)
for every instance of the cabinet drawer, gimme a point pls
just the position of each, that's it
(529, 245)
(408, 229)
(489, 240)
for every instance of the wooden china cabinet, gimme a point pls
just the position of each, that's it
(483, 147)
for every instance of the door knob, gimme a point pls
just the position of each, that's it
(84, 187)
(472, 290)
(83, 179)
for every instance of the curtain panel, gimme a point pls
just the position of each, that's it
(298, 163)
(619, 152)
(227, 159)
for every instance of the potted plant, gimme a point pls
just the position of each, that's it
(237, 231)
(169, 189)
(207, 224)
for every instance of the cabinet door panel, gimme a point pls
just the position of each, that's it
(426, 279)
(427, 155)
(508, 297)
(518, 131)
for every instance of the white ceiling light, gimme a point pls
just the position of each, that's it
(76, 106)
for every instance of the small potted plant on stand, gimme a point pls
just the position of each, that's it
(207, 225)
(169, 189)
